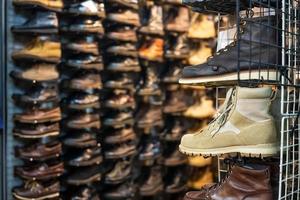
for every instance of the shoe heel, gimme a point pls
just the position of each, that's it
(260, 196)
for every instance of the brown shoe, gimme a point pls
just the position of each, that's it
(175, 159)
(40, 172)
(180, 22)
(39, 151)
(154, 184)
(38, 72)
(126, 17)
(120, 152)
(39, 116)
(120, 172)
(86, 45)
(37, 131)
(152, 50)
(86, 82)
(121, 135)
(127, 49)
(90, 156)
(37, 191)
(126, 34)
(155, 22)
(84, 121)
(42, 50)
(81, 101)
(247, 182)
(151, 115)
(120, 101)
(55, 5)
(38, 95)
(83, 140)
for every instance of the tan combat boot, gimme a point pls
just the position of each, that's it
(244, 125)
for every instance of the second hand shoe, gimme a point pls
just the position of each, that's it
(239, 127)
(258, 57)
(42, 50)
(246, 182)
(55, 5)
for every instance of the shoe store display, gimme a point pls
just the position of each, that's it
(150, 151)
(120, 172)
(176, 102)
(149, 116)
(150, 84)
(84, 26)
(201, 178)
(41, 22)
(86, 193)
(199, 55)
(177, 185)
(175, 158)
(119, 119)
(121, 192)
(155, 22)
(122, 82)
(120, 101)
(202, 109)
(128, 3)
(126, 49)
(120, 151)
(175, 132)
(180, 50)
(173, 75)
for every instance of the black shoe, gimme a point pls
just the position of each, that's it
(259, 65)
(86, 193)
(83, 140)
(84, 26)
(84, 8)
(85, 62)
(41, 22)
(119, 119)
(85, 176)
(125, 65)
(90, 156)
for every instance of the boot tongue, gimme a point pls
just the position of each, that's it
(254, 93)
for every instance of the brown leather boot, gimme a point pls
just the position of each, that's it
(250, 182)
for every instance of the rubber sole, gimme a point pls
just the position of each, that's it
(267, 75)
(49, 196)
(54, 119)
(54, 133)
(260, 150)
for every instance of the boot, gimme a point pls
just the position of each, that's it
(181, 22)
(258, 56)
(155, 23)
(202, 27)
(152, 50)
(154, 183)
(248, 182)
(243, 125)
(150, 86)
(200, 55)
(181, 49)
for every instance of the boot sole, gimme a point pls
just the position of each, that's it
(54, 133)
(267, 75)
(259, 150)
(49, 196)
(35, 121)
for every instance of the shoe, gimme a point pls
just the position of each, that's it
(54, 5)
(41, 50)
(150, 116)
(39, 116)
(39, 152)
(120, 152)
(87, 7)
(200, 178)
(128, 3)
(150, 85)
(40, 172)
(90, 156)
(154, 184)
(87, 62)
(177, 185)
(125, 34)
(257, 185)
(155, 22)
(84, 140)
(152, 50)
(179, 22)
(84, 26)
(83, 121)
(175, 133)
(37, 131)
(86, 193)
(180, 50)
(38, 96)
(264, 54)
(37, 190)
(150, 150)
(199, 55)
(80, 101)
(86, 44)
(126, 49)
(130, 17)
(38, 72)
(86, 82)
(119, 173)
(202, 109)
(173, 74)
(200, 21)
(122, 191)
(175, 2)
(120, 101)
(199, 161)
(119, 119)
(177, 102)
(84, 176)
(121, 82)
(228, 6)
(232, 130)
(121, 136)
(41, 22)
(175, 158)
(125, 65)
